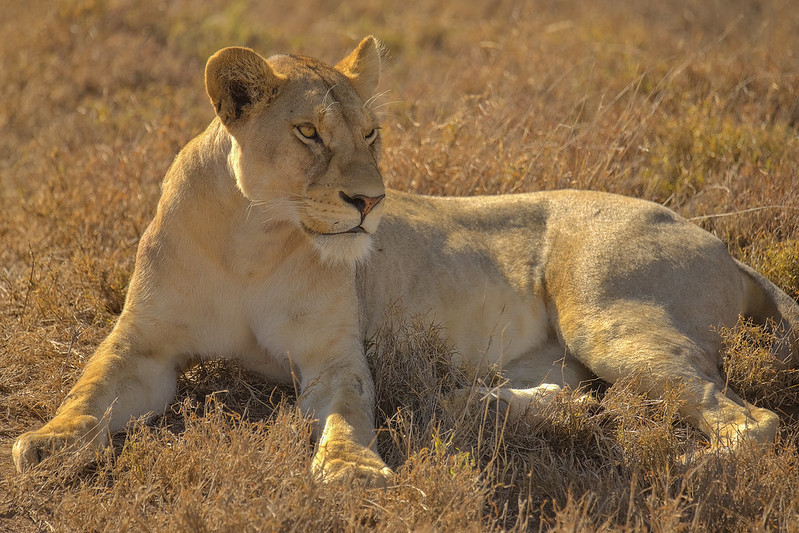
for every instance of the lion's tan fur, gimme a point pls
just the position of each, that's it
(262, 249)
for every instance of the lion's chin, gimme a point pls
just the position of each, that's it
(343, 249)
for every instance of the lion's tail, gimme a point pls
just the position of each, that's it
(765, 301)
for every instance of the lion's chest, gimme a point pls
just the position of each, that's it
(300, 316)
(267, 301)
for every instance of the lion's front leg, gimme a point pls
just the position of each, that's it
(122, 379)
(341, 397)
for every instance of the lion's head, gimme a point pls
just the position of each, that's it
(305, 142)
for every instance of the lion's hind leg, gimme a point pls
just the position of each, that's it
(519, 403)
(533, 381)
(661, 357)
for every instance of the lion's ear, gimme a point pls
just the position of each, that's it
(362, 67)
(238, 81)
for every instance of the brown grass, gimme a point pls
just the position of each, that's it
(688, 103)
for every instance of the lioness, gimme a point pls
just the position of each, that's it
(266, 247)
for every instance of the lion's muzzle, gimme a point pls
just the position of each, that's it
(364, 204)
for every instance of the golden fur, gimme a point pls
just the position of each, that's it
(266, 247)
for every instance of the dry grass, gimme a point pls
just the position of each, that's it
(688, 103)
(754, 372)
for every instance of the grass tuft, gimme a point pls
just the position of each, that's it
(752, 369)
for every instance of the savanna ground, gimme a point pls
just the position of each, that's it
(692, 104)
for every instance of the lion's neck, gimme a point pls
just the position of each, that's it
(203, 209)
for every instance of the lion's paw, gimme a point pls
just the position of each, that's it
(33, 447)
(350, 462)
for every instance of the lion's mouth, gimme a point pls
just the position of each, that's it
(357, 229)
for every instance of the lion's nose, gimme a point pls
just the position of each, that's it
(362, 203)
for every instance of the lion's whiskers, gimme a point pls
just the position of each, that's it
(288, 204)
(369, 103)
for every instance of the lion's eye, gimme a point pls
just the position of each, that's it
(371, 136)
(307, 131)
